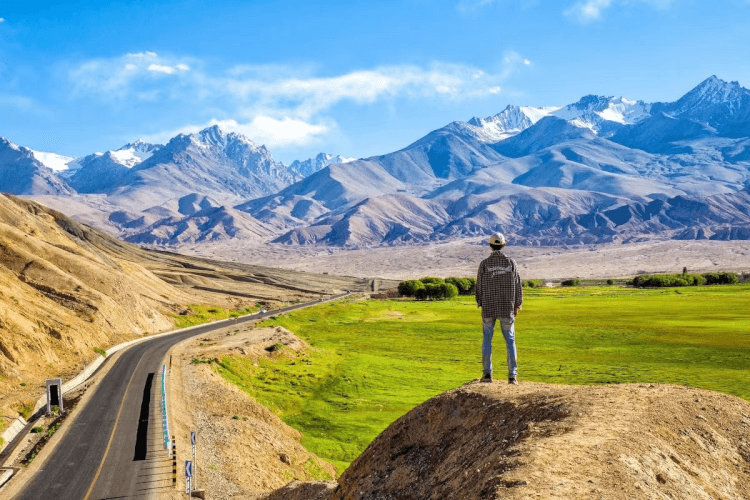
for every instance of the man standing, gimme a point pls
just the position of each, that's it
(499, 294)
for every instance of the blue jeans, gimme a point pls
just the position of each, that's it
(507, 325)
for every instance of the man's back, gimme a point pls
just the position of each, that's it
(498, 290)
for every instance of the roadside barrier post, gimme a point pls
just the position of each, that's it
(164, 418)
(174, 462)
(195, 461)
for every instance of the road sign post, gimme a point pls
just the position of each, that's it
(195, 461)
(188, 475)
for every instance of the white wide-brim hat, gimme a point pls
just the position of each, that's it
(497, 239)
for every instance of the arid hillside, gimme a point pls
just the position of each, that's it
(245, 449)
(66, 289)
(492, 441)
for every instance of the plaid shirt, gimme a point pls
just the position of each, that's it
(498, 290)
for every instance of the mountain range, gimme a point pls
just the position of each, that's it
(599, 170)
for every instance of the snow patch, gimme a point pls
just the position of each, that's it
(53, 161)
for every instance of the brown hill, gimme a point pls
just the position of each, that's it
(66, 288)
(491, 441)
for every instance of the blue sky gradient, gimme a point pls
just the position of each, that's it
(351, 78)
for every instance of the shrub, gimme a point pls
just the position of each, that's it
(534, 283)
(610, 282)
(101, 351)
(409, 288)
(464, 285)
(437, 291)
(434, 290)
(573, 282)
(449, 290)
(721, 278)
(473, 285)
(697, 279)
(432, 280)
(38, 429)
(25, 410)
(668, 280)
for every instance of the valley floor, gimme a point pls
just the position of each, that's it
(461, 258)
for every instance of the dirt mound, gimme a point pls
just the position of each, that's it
(246, 341)
(542, 441)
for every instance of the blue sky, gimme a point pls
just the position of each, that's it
(346, 77)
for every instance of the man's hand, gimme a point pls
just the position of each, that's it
(515, 312)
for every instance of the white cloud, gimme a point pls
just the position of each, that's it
(279, 105)
(588, 10)
(592, 10)
(278, 133)
(22, 103)
(2, 20)
(120, 77)
(272, 132)
(306, 97)
(469, 6)
(159, 68)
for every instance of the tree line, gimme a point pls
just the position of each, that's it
(433, 288)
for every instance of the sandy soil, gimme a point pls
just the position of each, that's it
(461, 258)
(493, 441)
(244, 449)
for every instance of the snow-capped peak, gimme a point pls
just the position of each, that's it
(508, 122)
(53, 161)
(213, 136)
(134, 153)
(311, 165)
(709, 93)
(591, 110)
(716, 90)
(5, 143)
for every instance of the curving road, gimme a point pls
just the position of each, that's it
(113, 449)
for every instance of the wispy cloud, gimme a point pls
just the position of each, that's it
(121, 77)
(2, 20)
(586, 11)
(167, 70)
(468, 6)
(272, 132)
(22, 103)
(279, 105)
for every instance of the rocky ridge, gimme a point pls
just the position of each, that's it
(555, 175)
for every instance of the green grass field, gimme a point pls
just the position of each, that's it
(373, 361)
(203, 314)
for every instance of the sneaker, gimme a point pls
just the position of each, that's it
(513, 381)
(487, 377)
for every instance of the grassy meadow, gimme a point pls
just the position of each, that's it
(370, 362)
(203, 314)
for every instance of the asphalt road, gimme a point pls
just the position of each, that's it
(111, 451)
